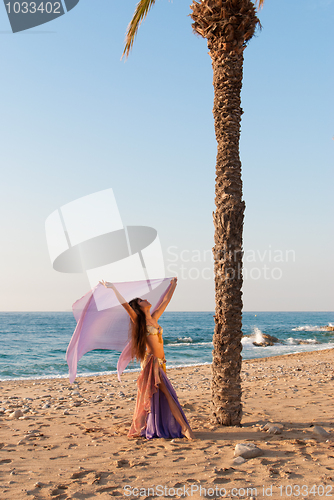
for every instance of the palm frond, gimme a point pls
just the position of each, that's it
(142, 9)
(259, 3)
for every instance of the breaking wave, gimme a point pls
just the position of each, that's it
(310, 328)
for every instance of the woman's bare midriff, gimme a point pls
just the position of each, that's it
(154, 346)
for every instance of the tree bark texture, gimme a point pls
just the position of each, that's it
(228, 222)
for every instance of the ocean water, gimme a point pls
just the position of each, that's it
(33, 345)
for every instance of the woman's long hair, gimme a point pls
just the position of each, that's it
(139, 332)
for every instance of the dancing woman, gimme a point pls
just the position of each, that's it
(158, 412)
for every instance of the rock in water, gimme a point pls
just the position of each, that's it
(268, 340)
(247, 450)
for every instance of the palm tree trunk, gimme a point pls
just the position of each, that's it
(227, 25)
(228, 222)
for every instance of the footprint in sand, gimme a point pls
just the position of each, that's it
(189, 406)
(133, 463)
(58, 492)
(93, 429)
(112, 489)
(220, 480)
(5, 461)
(122, 463)
(180, 449)
(56, 458)
(81, 474)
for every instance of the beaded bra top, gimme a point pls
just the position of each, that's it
(152, 330)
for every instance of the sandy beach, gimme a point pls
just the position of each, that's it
(70, 441)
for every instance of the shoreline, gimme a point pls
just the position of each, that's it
(71, 442)
(137, 370)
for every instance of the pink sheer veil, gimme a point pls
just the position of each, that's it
(103, 323)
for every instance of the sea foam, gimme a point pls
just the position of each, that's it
(310, 328)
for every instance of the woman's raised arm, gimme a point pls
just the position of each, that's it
(122, 301)
(166, 300)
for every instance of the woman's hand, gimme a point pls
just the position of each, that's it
(173, 281)
(106, 284)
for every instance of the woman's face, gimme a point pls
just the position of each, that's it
(143, 303)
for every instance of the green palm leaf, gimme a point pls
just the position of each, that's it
(142, 9)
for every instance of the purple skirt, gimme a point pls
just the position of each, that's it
(153, 417)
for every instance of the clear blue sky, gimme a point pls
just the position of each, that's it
(75, 119)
